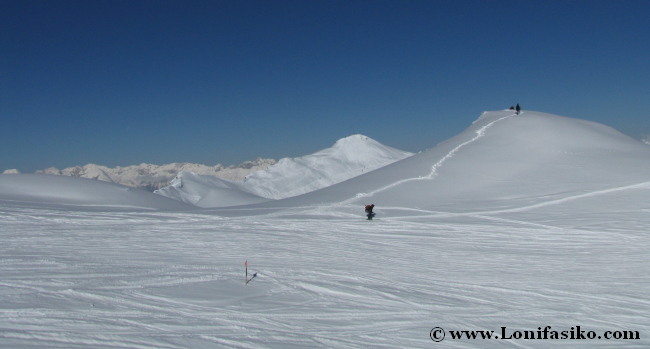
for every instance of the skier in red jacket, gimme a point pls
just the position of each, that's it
(369, 212)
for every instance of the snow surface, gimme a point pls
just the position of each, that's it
(520, 222)
(45, 190)
(349, 157)
(207, 191)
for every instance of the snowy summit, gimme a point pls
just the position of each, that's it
(349, 157)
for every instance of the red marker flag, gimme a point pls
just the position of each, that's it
(246, 264)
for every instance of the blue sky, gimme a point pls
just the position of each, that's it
(118, 83)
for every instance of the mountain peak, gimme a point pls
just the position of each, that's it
(355, 138)
(347, 158)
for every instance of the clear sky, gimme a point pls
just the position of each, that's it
(119, 83)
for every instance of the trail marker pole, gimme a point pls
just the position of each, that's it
(246, 276)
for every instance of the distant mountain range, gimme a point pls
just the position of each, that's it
(250, 181)
(151, 177)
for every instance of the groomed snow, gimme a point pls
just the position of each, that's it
(519, 222)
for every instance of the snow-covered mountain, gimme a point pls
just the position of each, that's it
(151, 177)
(503, 160)
(349, 157)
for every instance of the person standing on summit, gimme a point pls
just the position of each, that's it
(518, 109)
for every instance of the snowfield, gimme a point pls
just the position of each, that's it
(519, 222)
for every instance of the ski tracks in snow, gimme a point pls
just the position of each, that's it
(178, 282)
(643, 185)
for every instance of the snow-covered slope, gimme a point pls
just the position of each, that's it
(207, 191)
(501, 160)
(33, 189)
(152, 177)
(348, 157)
